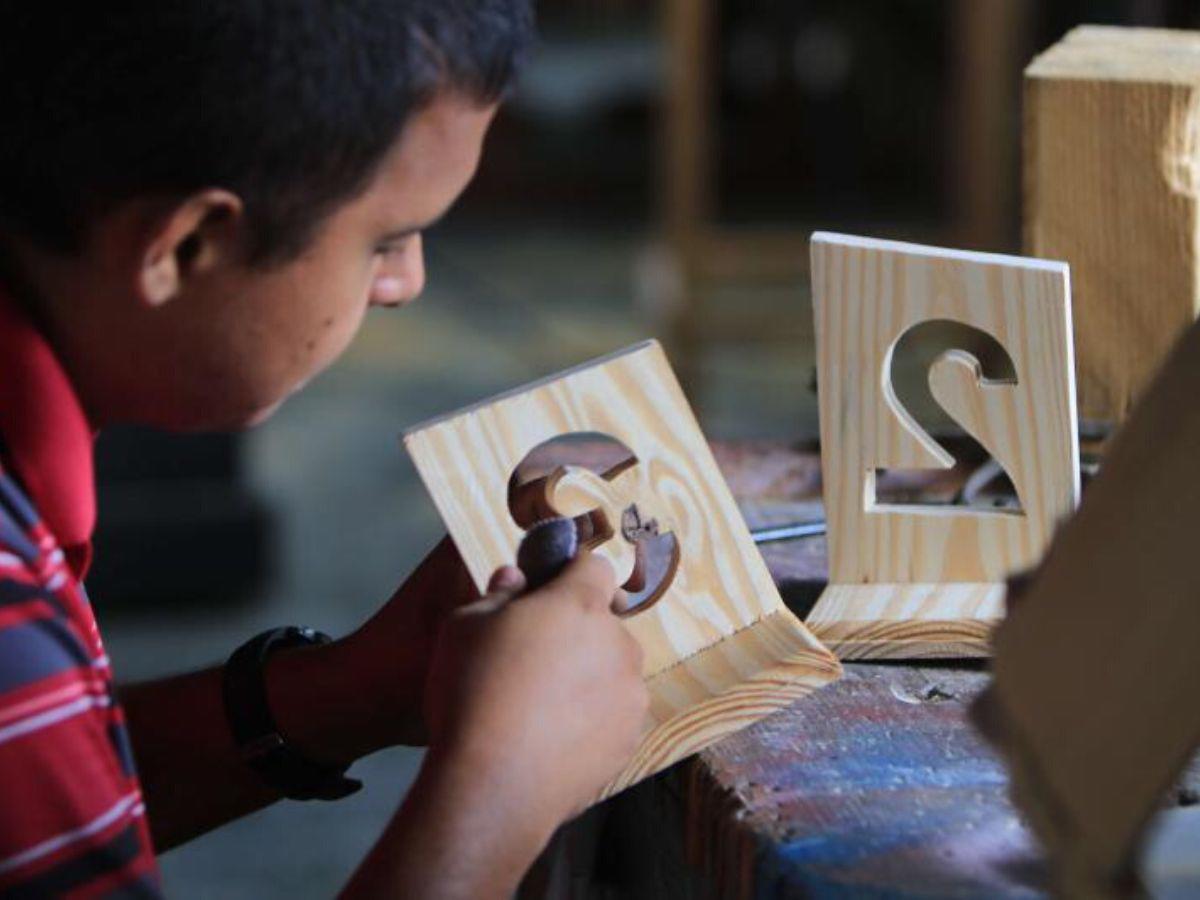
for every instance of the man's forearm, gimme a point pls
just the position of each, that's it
(459, 835)
(192, 775)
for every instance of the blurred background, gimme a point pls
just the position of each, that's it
(657, 174)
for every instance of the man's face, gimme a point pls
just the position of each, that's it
(238, 341)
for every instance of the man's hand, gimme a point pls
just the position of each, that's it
(545, 689)
(391, 652)
(534, 703)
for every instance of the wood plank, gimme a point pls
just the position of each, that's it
(867, 294)
(876, 786)
(720, 647)
(1097, 674)
(1112, 183)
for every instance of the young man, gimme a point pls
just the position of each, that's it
(198, 202)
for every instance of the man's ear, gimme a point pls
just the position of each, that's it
(189, 238)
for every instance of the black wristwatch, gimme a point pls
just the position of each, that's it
(276, 762)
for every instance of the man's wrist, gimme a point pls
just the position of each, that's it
(459, 834)
(502, 809)
(322, 703)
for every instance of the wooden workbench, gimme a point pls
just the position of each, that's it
(876, 786)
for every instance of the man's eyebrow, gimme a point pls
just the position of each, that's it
(406, 231)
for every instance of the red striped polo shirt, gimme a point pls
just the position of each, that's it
(72, 821)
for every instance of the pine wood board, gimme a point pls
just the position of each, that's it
(867, 294)
(1112, 184)
(720, 648)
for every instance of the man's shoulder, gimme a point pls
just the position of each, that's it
(43, 631)
(73, 816)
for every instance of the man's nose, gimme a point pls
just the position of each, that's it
(401, 276)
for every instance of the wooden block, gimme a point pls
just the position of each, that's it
(1112, 180)
(721, 649)
(910, 580)
(1097, 679)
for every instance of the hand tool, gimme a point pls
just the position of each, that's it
(552, 543)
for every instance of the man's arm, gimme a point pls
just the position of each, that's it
(335, 703)
(532, 705)
(454, 837)
(192, 775)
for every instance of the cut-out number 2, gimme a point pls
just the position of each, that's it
(952, 371)
(1004, 376)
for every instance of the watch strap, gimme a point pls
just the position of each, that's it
(276, 762)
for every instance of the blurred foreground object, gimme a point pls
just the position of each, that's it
(1096, 700)
(1112, 181)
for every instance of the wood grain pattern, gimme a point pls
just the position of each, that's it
(721, 632)
(1112, 184)
(908, 621)
(737, 681)
(1097, 674)
(866, 295)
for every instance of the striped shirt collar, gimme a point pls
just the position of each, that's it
(47, 440)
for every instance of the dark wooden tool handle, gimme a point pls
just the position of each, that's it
(546, 549)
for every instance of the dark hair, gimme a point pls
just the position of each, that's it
(292, 104)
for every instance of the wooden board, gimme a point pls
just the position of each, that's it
(720, 647)
(1112, 183)
(1097, 678)
(910, 580)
